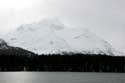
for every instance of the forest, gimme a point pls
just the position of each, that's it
(69, 62)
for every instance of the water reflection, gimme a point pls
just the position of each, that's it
(15, 77)
(60, 77)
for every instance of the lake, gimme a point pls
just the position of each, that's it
(61, 77)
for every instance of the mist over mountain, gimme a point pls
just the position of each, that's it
(51, 36)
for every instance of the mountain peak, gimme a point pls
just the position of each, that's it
(53, 23)
(3, 44)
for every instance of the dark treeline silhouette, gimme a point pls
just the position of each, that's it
(74, 62)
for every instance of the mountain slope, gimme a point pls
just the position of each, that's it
(51, 36)
(5, 49)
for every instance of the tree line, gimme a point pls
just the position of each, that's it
(72, 62)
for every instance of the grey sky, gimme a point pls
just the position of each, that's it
(106, 18)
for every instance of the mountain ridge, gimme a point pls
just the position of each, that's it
(6, 49)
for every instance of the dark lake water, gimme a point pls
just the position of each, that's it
(61, 77)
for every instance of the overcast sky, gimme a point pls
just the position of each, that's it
(106, 18)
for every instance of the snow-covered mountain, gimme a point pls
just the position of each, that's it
(51, 36)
